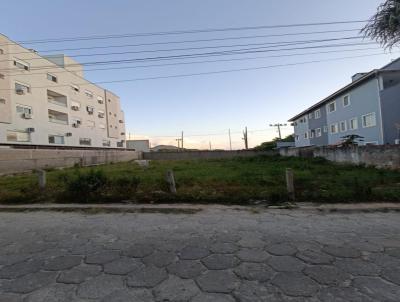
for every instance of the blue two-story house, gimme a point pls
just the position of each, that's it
(369, 106)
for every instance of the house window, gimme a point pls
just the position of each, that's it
(56, 139)
(52, 78)
(331, 107)
(106, 143)
(325, 129)
(334, 128)
(318, 132)
(353, 124)
(18, 136)
(343, 126)
(85, 141)
(21, 64)
(22, 88)
(306, 135)
(89, 94)
(310, 116)
(312, 132)
(24, 111)
(317, 113)
(369, 120)
(75, 88)
(346, 101)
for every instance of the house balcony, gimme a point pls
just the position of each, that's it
(56, 98)
(58, 117)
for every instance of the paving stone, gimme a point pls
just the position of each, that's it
(193, 253)
(102, 257)
(100, 286)
(79, 274)
(62, 263)
(160, 259)
(377, 289)
(20, 269)
(204, 297)
(176, 289)
(326, 275)
(341, 251)
(227, 237)
(285, 264)
(384, 260)
(281, 249)
(358, 267)
(139, 250)
(314, 257)
(146, 276)
(394, 252)
(220, 261)
(56, 293)
(341, 294)
(392, 274)
(129, 295)
(122, 266)
(186, 269)
(218, 281)
(252, 255)
(224, 248)
(252, 292)
(254, 272)
(295, 284)
(30, 282)
(251, 242)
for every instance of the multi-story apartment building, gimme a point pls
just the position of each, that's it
(45, 100)
(369, 107)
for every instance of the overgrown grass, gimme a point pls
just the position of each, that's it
(233, 181)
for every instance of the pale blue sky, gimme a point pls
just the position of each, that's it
(202, 104)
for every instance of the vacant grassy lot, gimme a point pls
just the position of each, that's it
(240, 180)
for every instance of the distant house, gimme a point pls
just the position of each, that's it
(142, 145)
(369, 106)
(164, 148)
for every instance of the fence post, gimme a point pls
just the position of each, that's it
(42, 178)
(290, 183)
(171, 181)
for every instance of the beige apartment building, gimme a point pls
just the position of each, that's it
(45, 100)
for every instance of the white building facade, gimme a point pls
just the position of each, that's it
(45, 101)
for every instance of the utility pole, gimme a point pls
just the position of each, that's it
(182, 140)
(230, 140)
(210, 145)
(178, 140)
(245, 138)
(278, 125)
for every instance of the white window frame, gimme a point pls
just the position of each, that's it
(21, 64)
(317, 116)
(365, 115)
(356, 123)
(328, 107)
(345, 126)
(344, 97)
(26, 87)
(318, 132)
(56, 143)
(336, 125)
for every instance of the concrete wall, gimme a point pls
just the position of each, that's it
(384, 156)
(203, 154)
(21, 160)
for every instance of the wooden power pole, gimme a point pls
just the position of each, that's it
(245, 138)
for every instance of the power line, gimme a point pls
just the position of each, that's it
(211, 72)
(180, 32)
(191, 41)
(273, 44)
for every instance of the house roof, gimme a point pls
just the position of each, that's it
(344, 89)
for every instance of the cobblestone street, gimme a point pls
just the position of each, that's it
(215, 255)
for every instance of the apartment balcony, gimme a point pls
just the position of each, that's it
(58, 117)
(56, 98)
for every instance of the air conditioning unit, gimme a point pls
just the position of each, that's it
(75, 108)
(30, 130)
(78, 122)
(68, 134)
(27, 116)
(19, 91)
(75, 125)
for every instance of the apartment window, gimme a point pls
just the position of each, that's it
(331, 107)
(106, 143)
(85, 141)
(343, 126)
(369, 120)
(24, 111)
(52, 78)
(318, 132)
(90, 110)
(353, 124)
(56, 139)
(346, 101)
(91, 124)
(56, 98)
(58, 117)
(312, 132)
(310, 116)
(18, 136)
(89, 94)
(75, 88)
(21, 64)
(334, 128)
(325, 129)
(100, 100)
(22, 88)
(306, 135)
(317, 113)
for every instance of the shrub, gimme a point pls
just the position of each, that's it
(123, 187)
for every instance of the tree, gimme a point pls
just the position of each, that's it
(384, 26)
(352, 140)
(272, 144)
